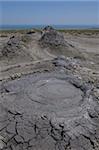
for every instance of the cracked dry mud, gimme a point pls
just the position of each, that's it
(48, 111)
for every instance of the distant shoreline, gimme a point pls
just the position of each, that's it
(17, 27)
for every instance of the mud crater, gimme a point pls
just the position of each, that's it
(48, 111)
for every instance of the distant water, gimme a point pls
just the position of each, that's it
(13, 27)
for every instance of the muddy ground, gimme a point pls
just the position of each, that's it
(49, 95)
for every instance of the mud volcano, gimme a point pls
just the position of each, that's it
(12, 46)
(48, 111)
(51, 37)
(56, 95)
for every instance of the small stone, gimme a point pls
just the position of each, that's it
(18, 139)
(2, 144)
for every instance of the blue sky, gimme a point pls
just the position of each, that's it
(49, 12)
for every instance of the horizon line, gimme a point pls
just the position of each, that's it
(45, 24)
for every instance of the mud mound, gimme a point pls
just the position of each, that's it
(15, 50)
(12, 47)
(57, 44)
(51, 37)
(48, 111)
(16, 46)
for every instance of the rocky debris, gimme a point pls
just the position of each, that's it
(48, 111)
(77, 68)
(51, 37)
(67, 62)
(12, 47)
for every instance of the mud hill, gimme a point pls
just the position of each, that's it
(35, 46)
(50, 37)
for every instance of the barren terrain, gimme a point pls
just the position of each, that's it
(49, 90)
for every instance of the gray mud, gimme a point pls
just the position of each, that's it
(48, 111)
(49, 102)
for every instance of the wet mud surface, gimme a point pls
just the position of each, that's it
(48, 111)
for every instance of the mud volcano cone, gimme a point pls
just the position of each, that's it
(51, 37)
(12, 47)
